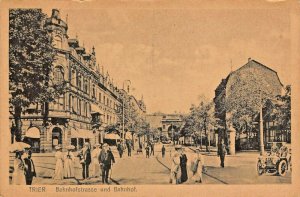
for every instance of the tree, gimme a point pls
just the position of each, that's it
(283, 109)
(246, 95)
(201, 118)
(31, 57)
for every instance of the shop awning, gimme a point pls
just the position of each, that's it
(112, 136)
(95, 109)
(33, 132)
(74, 133)
(85, 133)
(81, 133)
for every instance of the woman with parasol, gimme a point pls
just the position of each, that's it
(18, 176)
(59, 167)
(69, 171)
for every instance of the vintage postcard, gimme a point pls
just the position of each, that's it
(150, 98)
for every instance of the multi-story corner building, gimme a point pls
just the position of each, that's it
(270, 81)
(88, 105)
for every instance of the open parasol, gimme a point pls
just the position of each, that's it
(18, 146)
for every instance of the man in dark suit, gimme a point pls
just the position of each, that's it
(85, 160)
(29, 168)
(222, 152)
(106, 158)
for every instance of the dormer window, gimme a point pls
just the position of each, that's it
(57, 42)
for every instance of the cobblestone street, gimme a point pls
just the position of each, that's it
(137, 169)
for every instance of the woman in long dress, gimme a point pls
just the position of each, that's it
(175, 167)
(59, 167)
(95, 161)
(183, 161)
(69, 171)
(18, 176)
(197, 166)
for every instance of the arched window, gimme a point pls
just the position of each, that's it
(57, 41)
(58, 74)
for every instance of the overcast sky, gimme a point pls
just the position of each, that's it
(172, 56)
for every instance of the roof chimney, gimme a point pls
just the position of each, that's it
(249, 59)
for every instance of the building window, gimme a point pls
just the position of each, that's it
(78, 80)
(70, 103)
(107, 102)
(100, 97)
(79, 106)
(94, 92)
(85, 86)
(73, 77)
(104, 99)
(58, 75)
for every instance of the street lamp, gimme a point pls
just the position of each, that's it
(123, 107)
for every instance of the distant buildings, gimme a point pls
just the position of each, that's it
(266, 79)
(166, 123)
(90, 103)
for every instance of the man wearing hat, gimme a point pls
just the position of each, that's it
(85, 160)
(106, 158)
(29, 168)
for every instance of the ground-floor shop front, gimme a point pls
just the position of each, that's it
(59, 132)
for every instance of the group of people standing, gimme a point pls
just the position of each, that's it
(24, 169)
(100, 157)
(149, 149)
(179, 170)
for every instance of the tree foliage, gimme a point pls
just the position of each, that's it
(200, 119)
(31, 57)
(246, 94)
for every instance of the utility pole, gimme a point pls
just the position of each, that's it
(123, 134)
(261, 125)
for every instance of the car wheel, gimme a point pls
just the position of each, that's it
(282, 168)
(260, 169)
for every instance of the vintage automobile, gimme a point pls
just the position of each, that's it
(276, 161)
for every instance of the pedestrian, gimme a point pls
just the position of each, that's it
(163, 151)
(183, 161)
(95, 163)
(152, 148)
(85, 160)
(175, 166)
(59, 165)
(120, 149)
(29, 168)
(69, 171)
(147, 151)
(18, 177)
(106, 159)
(129, 149)
(222, 152)
(197, 165)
